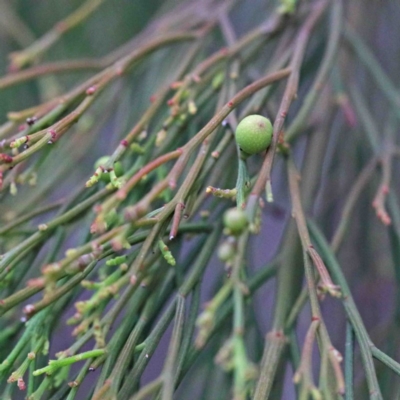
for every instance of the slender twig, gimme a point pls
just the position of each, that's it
(369, 60)
(331, 51)
(56, 67)
(304, 372)
(171, 359)
(349, 362)
(350, 203)
(264, 178)
(352, 313)
(326, 281)
(223, 113)
(36, 49)
(383, 190)
(149, 389)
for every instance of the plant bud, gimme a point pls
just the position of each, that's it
(235, 221)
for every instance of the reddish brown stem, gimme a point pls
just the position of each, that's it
(48, 69)
(176, 220)
(354, 194)
(304, 371)
(308, 248)
(122, 193)
(264, 178)
(383, 190)
(220, 116)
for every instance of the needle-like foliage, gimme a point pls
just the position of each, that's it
(123, 276)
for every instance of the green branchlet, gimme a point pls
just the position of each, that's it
(54, 365)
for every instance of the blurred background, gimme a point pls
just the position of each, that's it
(356, 118)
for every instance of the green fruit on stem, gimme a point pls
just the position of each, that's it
(254, 134)
(226, 251)
(235, 221)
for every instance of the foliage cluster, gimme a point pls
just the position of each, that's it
(118, 161)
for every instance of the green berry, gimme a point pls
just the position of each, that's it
(254, 134)
(235, 221)
(226, 251)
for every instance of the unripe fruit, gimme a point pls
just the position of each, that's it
(254, 134)
(235, 221)
(226, 251)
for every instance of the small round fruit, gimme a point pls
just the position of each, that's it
(226, 251)
(254, 134)
(235, 221)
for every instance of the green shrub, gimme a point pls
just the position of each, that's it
(118, 161)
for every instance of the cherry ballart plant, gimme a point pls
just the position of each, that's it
(199, 199)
